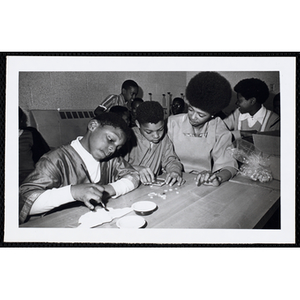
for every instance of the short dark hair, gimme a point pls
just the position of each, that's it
(253, 87)
(129, 83)
(150, 112)
(178, 100)
(112, 119)
(136, 100)
(209, 91)
(118, 109)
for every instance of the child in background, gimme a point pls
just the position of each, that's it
(251, 116)
(134, 105)
(81, 171)
(177, 106)
(153, 150)
(129, 91)
(200, 139)
(123, 112)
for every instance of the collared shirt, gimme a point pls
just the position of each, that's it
(252, 120)
(92, 165)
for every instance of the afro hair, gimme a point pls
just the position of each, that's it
(253, 87)
(150, 112)
(209, 91)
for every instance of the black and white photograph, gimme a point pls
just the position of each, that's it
(158, 149)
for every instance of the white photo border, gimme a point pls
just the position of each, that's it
(284, 64)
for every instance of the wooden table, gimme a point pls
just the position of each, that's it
(238, 203)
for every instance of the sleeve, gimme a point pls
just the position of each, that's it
(221, 157)
(51, 199)
(231, 123)
(170, 161)
(274, 123)
(122, 186)
(46, 176)
(109, 101)
(170, 128)
(119, 169)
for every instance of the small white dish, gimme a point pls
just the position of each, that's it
(131, 222)
(144, 207)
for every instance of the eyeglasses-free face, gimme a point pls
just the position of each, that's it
(197, 117)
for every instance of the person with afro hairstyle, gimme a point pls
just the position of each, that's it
(153, 151)
(84, 170)
(251, 116)
(129, 90)
(200, 139)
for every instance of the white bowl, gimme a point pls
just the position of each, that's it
(131, 222)
(144, 208)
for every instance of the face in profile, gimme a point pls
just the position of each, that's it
(104, 141)
(130, 93)
(243, 104)
(152, 132)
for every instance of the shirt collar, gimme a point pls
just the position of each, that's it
(258, 117)
(87, 157)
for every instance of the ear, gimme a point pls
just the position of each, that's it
(253, 100)
(93, 124)
(137, 124)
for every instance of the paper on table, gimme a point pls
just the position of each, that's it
(92, 219)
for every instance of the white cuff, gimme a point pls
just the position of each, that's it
(51, 199)
(122, 186)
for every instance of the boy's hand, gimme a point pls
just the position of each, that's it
(207, 178)
(146, 175)
(86, 192)
(173, 177)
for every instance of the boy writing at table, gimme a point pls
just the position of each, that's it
(153, 150)
(83, 170)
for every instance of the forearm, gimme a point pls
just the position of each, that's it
(118, 188)
(51, 199)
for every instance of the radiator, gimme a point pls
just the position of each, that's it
(60, 127)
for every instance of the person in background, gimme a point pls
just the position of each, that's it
(200, 139)
(129, 90)
(178, 106)
(153, 151)
(123, 112)
(134, 105)
(276, 104)
(251, 116)
(31, 147)
(82, 171)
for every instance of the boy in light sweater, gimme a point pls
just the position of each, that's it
(251, 116)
